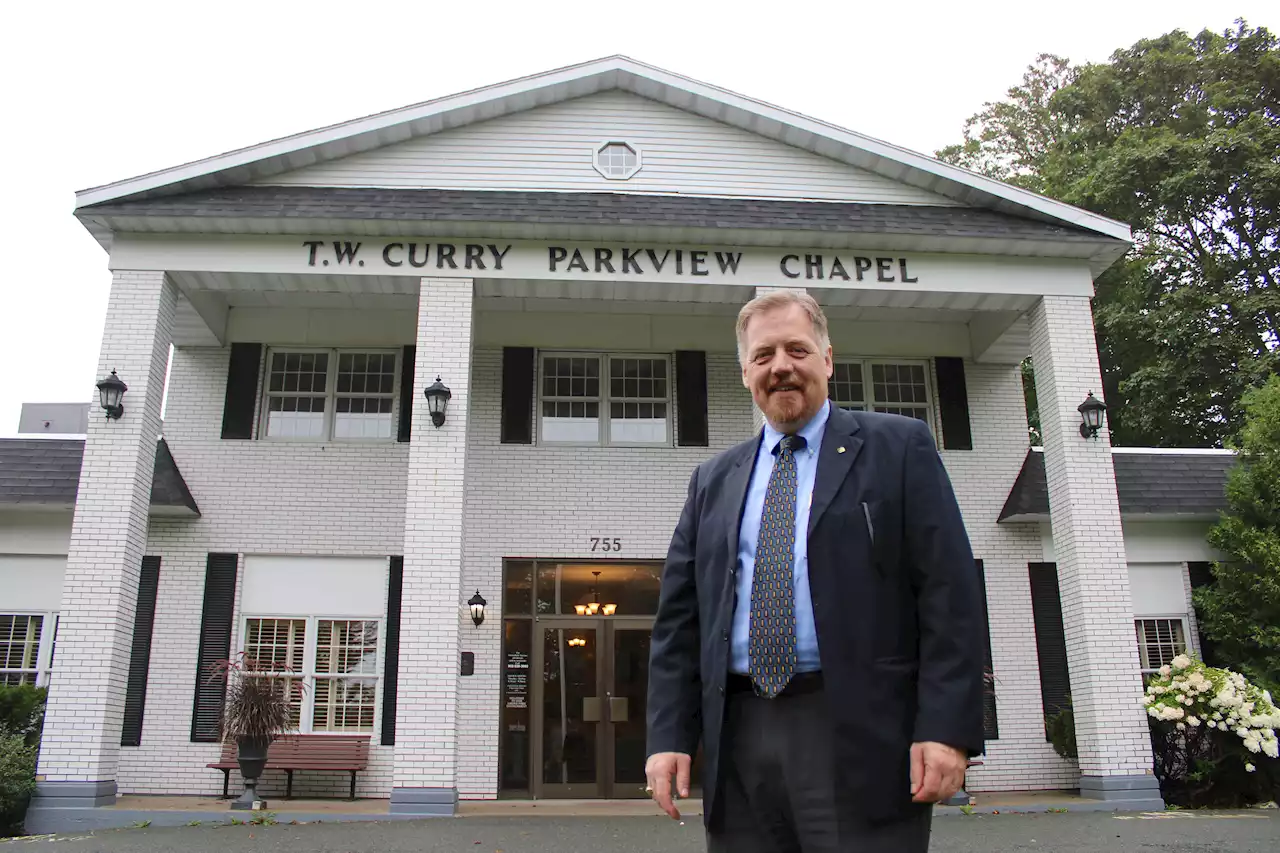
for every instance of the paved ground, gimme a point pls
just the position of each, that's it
(1172, 832)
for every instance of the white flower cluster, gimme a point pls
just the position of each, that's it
(1189, 694)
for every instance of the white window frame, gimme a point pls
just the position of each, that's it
(44, 651)
(869, 386)
(331, 394)
(1180, 618)
(310, 639)
(598, 151)
(602, 435)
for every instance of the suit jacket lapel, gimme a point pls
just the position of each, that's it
(840, 447)
(735, 490)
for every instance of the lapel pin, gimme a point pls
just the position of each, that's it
(840, 449)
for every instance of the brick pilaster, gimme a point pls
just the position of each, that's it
(81, 741)
(425, 775)
(1093, 577)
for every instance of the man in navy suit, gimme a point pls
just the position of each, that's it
(819, 626)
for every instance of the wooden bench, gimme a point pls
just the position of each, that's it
(303, 752)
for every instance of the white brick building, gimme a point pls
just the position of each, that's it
(567, 254)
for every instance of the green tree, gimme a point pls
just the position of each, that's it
(1240, 610)
(1179, 136)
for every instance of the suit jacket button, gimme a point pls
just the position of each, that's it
(721, 691)
(724, 635)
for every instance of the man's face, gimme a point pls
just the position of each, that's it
(786, 370)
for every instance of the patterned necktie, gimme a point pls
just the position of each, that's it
(772, 639)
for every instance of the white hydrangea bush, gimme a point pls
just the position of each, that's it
(1189, 695)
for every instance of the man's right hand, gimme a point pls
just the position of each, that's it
(659, 769)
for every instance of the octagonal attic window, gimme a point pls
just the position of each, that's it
(617, 161)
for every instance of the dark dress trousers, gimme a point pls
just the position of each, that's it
(897, 608)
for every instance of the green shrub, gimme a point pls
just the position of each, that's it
(1061, 728)
(22, 711)
(17, 781)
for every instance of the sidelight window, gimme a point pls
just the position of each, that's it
(26, 648)
(1160, 641)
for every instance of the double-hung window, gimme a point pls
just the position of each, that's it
(1160, 641)
(330, 394)
(596, 398)
(26, 648)
(895, 387)
(333, 660)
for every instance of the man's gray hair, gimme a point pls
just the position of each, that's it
(782, 299)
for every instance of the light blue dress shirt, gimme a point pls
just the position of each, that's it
(749, 534)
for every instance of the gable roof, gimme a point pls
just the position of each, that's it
(45, 473)
(1149, 482)
(259, 162)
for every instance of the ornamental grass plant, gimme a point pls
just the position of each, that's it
(1213, 735)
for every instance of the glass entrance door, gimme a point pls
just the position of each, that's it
(590, 681)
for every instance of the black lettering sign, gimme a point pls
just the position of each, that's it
(345, 251)
(475, 255)
(386, 254)
(498, 256)
(882, 267)
(445, 252)
(629, 263)
(902, 267)
(679, 261)
(861, 265)
(577, 262)
(697, 260)
(313, 245)
(413, 254)
(728, 261)
(813, 266)
(555, 255)
(604, 260)
(782, 265)
(837, 269)
(653, 259)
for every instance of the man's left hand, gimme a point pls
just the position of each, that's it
(937, 771)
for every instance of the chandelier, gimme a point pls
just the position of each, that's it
(594, 607)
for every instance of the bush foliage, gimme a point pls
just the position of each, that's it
(21, 720)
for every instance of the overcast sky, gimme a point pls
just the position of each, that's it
(98, 92)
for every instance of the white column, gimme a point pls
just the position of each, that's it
(425, 777)
(1097, 613)
(81, 742)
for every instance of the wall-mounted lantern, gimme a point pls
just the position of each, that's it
(437, 395)
(477, 604)
(110, 393)
(1091, 416)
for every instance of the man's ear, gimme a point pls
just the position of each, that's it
(831, 365)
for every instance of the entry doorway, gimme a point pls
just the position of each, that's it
(589, 707)
(575, 677)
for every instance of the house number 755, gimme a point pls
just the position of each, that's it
(605, 544)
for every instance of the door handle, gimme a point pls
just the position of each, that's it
(591, 709)
(618, 709)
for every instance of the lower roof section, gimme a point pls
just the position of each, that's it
(43, 473)
(1152, 483)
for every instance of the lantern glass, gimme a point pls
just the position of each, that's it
(476, 604)
(1093, 417)
(110, 394)
(437, 394)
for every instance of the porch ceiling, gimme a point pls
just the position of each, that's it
(998, 330)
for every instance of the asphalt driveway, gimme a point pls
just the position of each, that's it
(1173, 832)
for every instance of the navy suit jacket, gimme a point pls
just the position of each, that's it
(897, 604)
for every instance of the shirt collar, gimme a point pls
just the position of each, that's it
(812, 431)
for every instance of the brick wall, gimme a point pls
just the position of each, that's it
(265, 497)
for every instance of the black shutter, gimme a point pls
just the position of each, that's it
(990, 725)
(406, 392)
(1202, 575)
(517, 395)
(242, 391)
(691, 398)
(215, 645)
(953, 404)
(144, 619)
(1051, 640)
(391, 667)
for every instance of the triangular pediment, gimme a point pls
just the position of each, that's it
(558, 148)
(533, 133)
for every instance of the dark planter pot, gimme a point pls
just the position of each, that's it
(253, 759)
